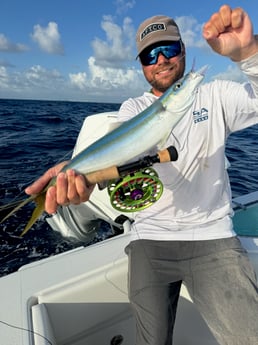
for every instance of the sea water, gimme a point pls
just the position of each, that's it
(35, 135)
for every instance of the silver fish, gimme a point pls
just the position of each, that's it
(132, 139)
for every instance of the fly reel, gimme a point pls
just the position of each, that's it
(136, 191)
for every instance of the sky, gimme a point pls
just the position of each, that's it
(85, 50)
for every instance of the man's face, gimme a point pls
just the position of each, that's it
(166, 71)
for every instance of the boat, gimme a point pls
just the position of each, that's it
(80, 297)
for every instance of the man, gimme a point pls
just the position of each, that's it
(187, 235)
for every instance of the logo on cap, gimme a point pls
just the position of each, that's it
(152, 28)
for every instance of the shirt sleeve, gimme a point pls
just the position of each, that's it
(127, 110)
(250, 68)
(133, 106)
(234, 104)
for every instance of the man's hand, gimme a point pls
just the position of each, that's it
(229, 32)
(70, 188)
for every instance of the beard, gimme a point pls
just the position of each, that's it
(162, 84)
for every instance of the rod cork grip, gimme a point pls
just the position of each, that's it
(168, 155)
(102, 175)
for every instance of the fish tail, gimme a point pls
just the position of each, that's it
(37, 212)
(11, 208)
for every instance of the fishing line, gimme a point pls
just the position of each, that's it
(26, 330)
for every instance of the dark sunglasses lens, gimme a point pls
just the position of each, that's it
(169, 51)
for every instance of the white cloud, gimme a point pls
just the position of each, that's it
(232, 73)
(7, 46)
(111, 74)
(123, 5)
(117, 49)
(113, 84)
(48, 38)
(36, 82)
(4, 79)
(191, 32)
(111, 77)
(39, 74)
(101, 84)
(79, 80)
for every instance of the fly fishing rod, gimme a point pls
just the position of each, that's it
(131, 187)
(134, 186)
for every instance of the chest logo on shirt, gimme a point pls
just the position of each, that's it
(200, 115)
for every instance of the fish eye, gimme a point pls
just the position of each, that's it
(177, 86)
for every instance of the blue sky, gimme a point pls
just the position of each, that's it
(85, 51)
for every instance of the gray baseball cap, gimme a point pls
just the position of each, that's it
(156, 29)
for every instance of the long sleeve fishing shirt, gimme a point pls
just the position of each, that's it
(196, 201)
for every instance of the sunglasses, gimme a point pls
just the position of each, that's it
(150, 56)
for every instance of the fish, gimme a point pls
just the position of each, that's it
(132, 139)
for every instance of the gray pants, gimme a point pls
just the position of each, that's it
(218, 276)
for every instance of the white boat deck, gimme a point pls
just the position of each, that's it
(80, 297)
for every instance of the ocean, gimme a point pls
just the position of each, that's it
(35, 135)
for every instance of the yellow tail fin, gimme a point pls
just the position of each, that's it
(37, 212)
(39, 199)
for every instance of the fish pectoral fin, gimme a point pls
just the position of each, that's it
(37, 212)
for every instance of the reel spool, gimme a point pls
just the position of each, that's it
(136, 191)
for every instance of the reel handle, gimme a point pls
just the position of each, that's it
(167, 155)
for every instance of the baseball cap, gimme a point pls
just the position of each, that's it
(156, 29)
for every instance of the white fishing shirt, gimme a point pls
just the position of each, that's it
(196, 201)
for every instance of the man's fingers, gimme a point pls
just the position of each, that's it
(237, 18)
(72, 192)
(41, 182)
(225, 15)
(222, 21)
(217, 24)
(62, 189)
(72, 188)
(84, 188)
(69, 188)
(51, 202)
